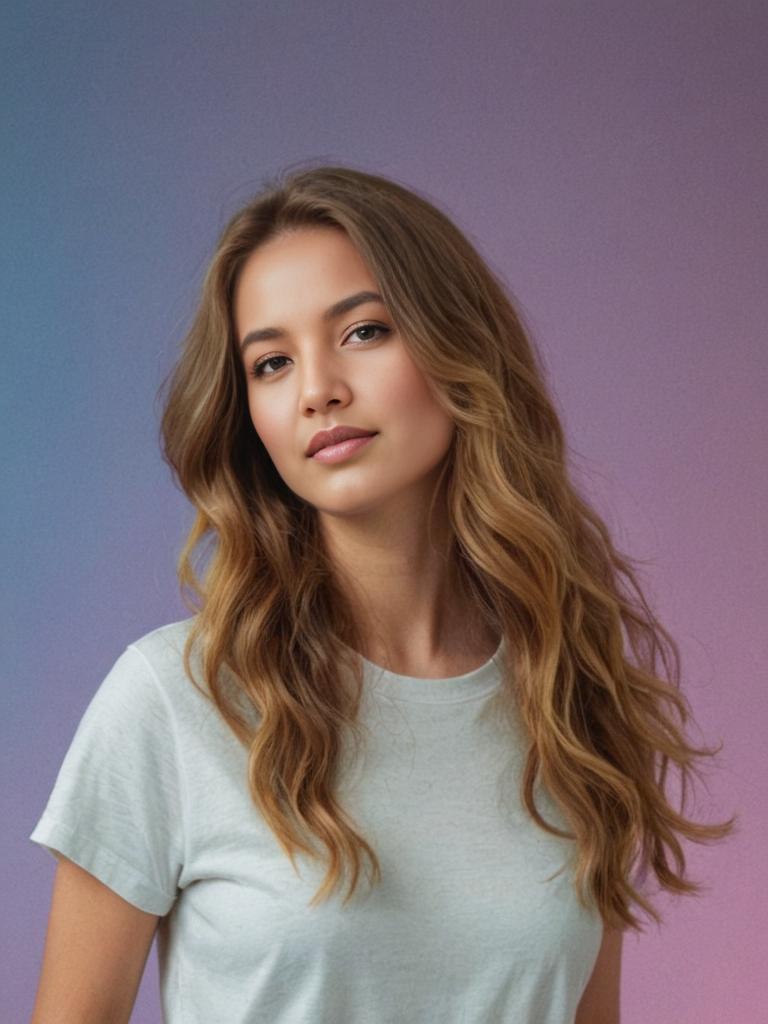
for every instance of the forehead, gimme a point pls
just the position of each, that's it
(308, 266)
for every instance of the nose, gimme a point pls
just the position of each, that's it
(322, 383)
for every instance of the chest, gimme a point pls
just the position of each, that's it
(465, 872)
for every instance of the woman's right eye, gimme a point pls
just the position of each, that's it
(257, 370)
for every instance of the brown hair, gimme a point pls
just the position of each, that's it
(275, 628)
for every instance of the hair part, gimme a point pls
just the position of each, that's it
(276, 630)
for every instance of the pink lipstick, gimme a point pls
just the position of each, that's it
(342, 450)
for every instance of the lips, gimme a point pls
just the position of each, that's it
(335, 435)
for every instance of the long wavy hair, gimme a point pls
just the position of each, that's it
(592, 674)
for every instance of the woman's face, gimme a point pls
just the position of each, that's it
(318, 371)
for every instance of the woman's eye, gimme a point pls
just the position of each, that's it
(366, 327)
(258, 368)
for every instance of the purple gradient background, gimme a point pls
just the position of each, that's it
(609, 160)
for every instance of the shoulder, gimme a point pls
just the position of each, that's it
(159, 655)
(148, 678)
(165, 644)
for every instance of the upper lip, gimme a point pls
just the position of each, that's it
(333, 436)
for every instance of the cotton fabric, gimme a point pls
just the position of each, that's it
(466, 926)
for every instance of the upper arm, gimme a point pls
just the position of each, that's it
(600, 1001)
(96, 948)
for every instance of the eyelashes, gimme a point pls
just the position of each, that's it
(257, 370)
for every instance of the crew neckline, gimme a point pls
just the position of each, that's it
(478, 682)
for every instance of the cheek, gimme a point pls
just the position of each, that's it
(267, 424)
(407, 390)
(416, 414)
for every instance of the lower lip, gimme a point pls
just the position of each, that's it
(341, 451)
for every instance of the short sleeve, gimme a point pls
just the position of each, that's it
(116, 806)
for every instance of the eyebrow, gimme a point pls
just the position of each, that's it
(336, 310)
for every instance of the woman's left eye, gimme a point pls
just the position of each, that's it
(365, 327)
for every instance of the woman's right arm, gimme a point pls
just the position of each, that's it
(96, 948)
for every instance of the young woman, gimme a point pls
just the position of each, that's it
(413, 647)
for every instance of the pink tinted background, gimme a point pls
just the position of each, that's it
(609, 160)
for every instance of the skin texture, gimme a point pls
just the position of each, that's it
(96, 948)
(600, 1000)
(373, 506)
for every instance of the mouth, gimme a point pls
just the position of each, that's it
(342, 449)
(335, 435)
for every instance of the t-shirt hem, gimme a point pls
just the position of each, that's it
(116, 873)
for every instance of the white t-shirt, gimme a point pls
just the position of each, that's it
(464, 928)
